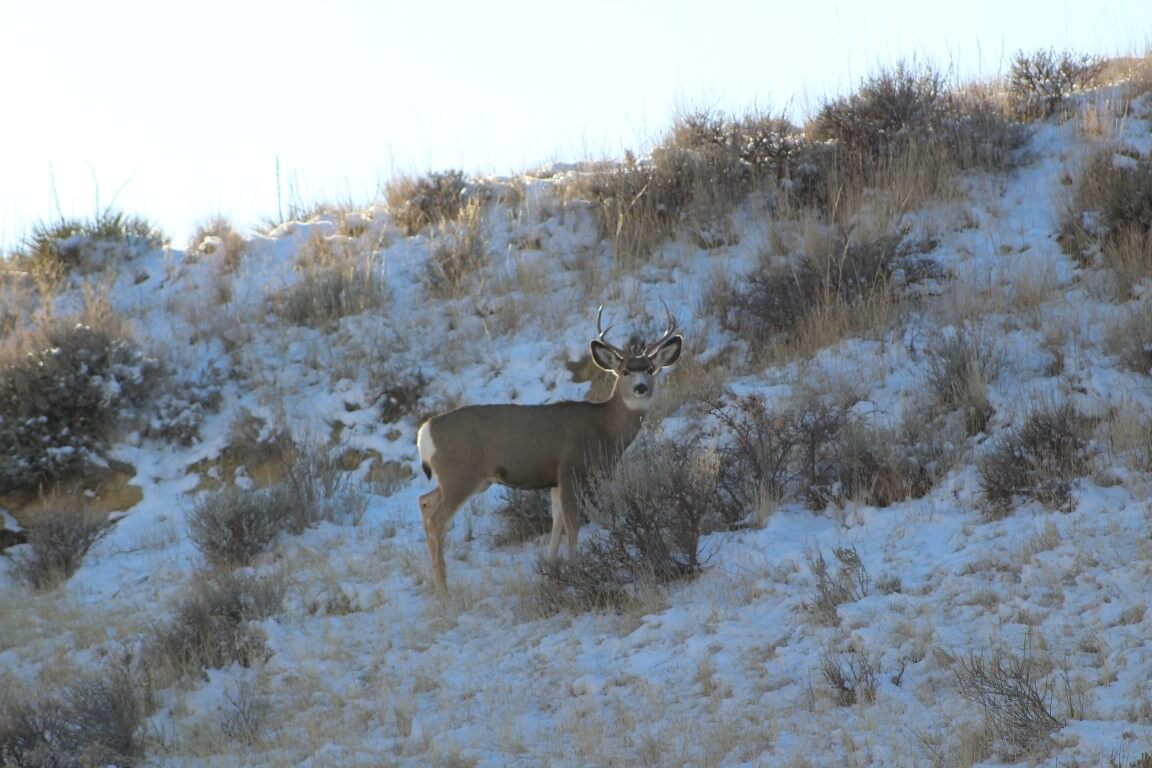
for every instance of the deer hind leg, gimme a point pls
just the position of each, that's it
(571, 515)
(437, 507)
(557, 525)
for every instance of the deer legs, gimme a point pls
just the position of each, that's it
(565, 517)
(437, 507)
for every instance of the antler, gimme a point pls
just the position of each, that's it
(600, 334)
(668, 333)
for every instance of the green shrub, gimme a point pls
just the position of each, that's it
(69, 244)
(60, 403)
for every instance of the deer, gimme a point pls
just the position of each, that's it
(535, 447)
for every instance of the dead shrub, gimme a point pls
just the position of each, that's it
(337, 279)
(850, 676)
(1012, 695)
(848, 584)
(57, 545)
(909, 109)
(219, 240)
(61, 402)
(960, 367)
(899, 141)
(1040, 82)
(653, 506)
(1109, 218)
(93, 721)
(401, 394)
(211, 625)
(777, 304)
(234, 525)
(526, 516)
(1131, 339)
(817, 453)
(1041, 459)
(428, 200)
(459, 253)
(689, 183)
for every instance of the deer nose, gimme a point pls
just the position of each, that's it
(640, 390)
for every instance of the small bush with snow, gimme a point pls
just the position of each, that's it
(60, 403)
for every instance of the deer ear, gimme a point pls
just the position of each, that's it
(605, 356)
(668, 352)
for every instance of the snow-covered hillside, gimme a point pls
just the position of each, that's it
(365, 666)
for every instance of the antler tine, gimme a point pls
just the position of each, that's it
(600, 334)
(669, 332)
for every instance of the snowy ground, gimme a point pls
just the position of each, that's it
(726, 670)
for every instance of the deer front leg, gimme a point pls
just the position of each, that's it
(431, 509)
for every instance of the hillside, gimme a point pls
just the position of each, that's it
(915, 418)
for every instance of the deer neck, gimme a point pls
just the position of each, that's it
(623, 420)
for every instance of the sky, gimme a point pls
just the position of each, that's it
(179, 112)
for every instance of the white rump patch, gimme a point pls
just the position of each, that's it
(424, 444)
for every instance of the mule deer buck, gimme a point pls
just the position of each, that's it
(539, 446)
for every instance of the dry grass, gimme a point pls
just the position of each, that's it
(1109, 216)
(338, 279)
(417, 203)
(460, 251)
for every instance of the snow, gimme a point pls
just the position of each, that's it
(725, 670)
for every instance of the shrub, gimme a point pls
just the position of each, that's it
(1008, 690)
(428, 200)
(57, 546)
(848, 584)
(816, 453)
(1131, 339)
(460, 250)
(337, 279)
(907, 118)
(211, 625)
(1039, 82)
(887, 110)
(232, 526)
(961, 365)
(68, 244)
(1039, 460)
(1109, 218)
(653, 505)
(93, 721)
(60, 403)
(774, 305)
(219, 240)
(692, 180)
(526, 516)
(851, 676)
